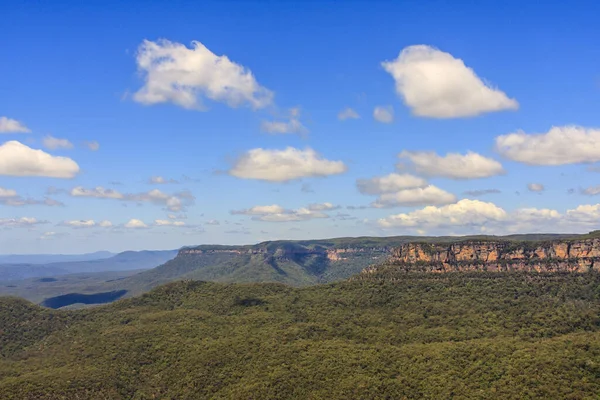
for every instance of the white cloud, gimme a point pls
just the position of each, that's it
(135, 224)
(535, 214)
(435, 84)
(92, 145)
(482, 192)
(173, 202)
(463, 213)
(97, 192)
(292, 125)
(52, 235)
(212, 222)
(276, 213)
(52, 143)
(82, 223)
(159, 180)
(535, 187)
(301, 214)
(559, 146)
(16, 159)
(415, 197)
(284, 165)
(21, 222)
(474, 216)
(322, 207)
(183, 76)
(105, 224)
(591, 191)
(347, 113)
(166, 222)
(452, 165)
(260, 210)
(7, 192)
(8, 125)
(384, 114)
(587, 214)
(389, 183)
(10, 197)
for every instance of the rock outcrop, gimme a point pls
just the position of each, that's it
(579, 255)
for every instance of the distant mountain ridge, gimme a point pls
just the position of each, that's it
(293, 262)
(52, 258)
(125, 261)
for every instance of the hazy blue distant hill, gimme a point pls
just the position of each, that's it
(52, 258)
(126, 261)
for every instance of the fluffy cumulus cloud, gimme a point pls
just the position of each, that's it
(452, 165)
(135, 224)
(414, 197)
(284, 165)
(535, 187)
(159, 180)
(173, 202)
(8, 125)
(384, 114)
(435, 84)
(52, 235)
(276, 213)
(474, 216)
(17, 159)
(559, 146)
(86, 223)
(22, 222)
(347, 113)
(10, 197)
(6, 193)
(80, 223)
(52, 143)
(482, 192)
(463, 213)
(168, 222)
(591, 191)
(322, 207)
(97, 192)
(291, 125)
(260, 210)
(92, 145)
(588, 214)
(389, 183)
(184, 76)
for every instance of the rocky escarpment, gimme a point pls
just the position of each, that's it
(292, 252)
(580, 255)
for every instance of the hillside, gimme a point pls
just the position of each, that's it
(462, 335)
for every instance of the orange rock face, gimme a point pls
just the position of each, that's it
(569, 256)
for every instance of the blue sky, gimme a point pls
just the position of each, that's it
(506, 97)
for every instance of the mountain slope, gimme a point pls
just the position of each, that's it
(458, 335)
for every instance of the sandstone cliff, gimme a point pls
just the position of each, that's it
(579, 255)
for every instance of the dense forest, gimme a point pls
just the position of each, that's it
(405, 335)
